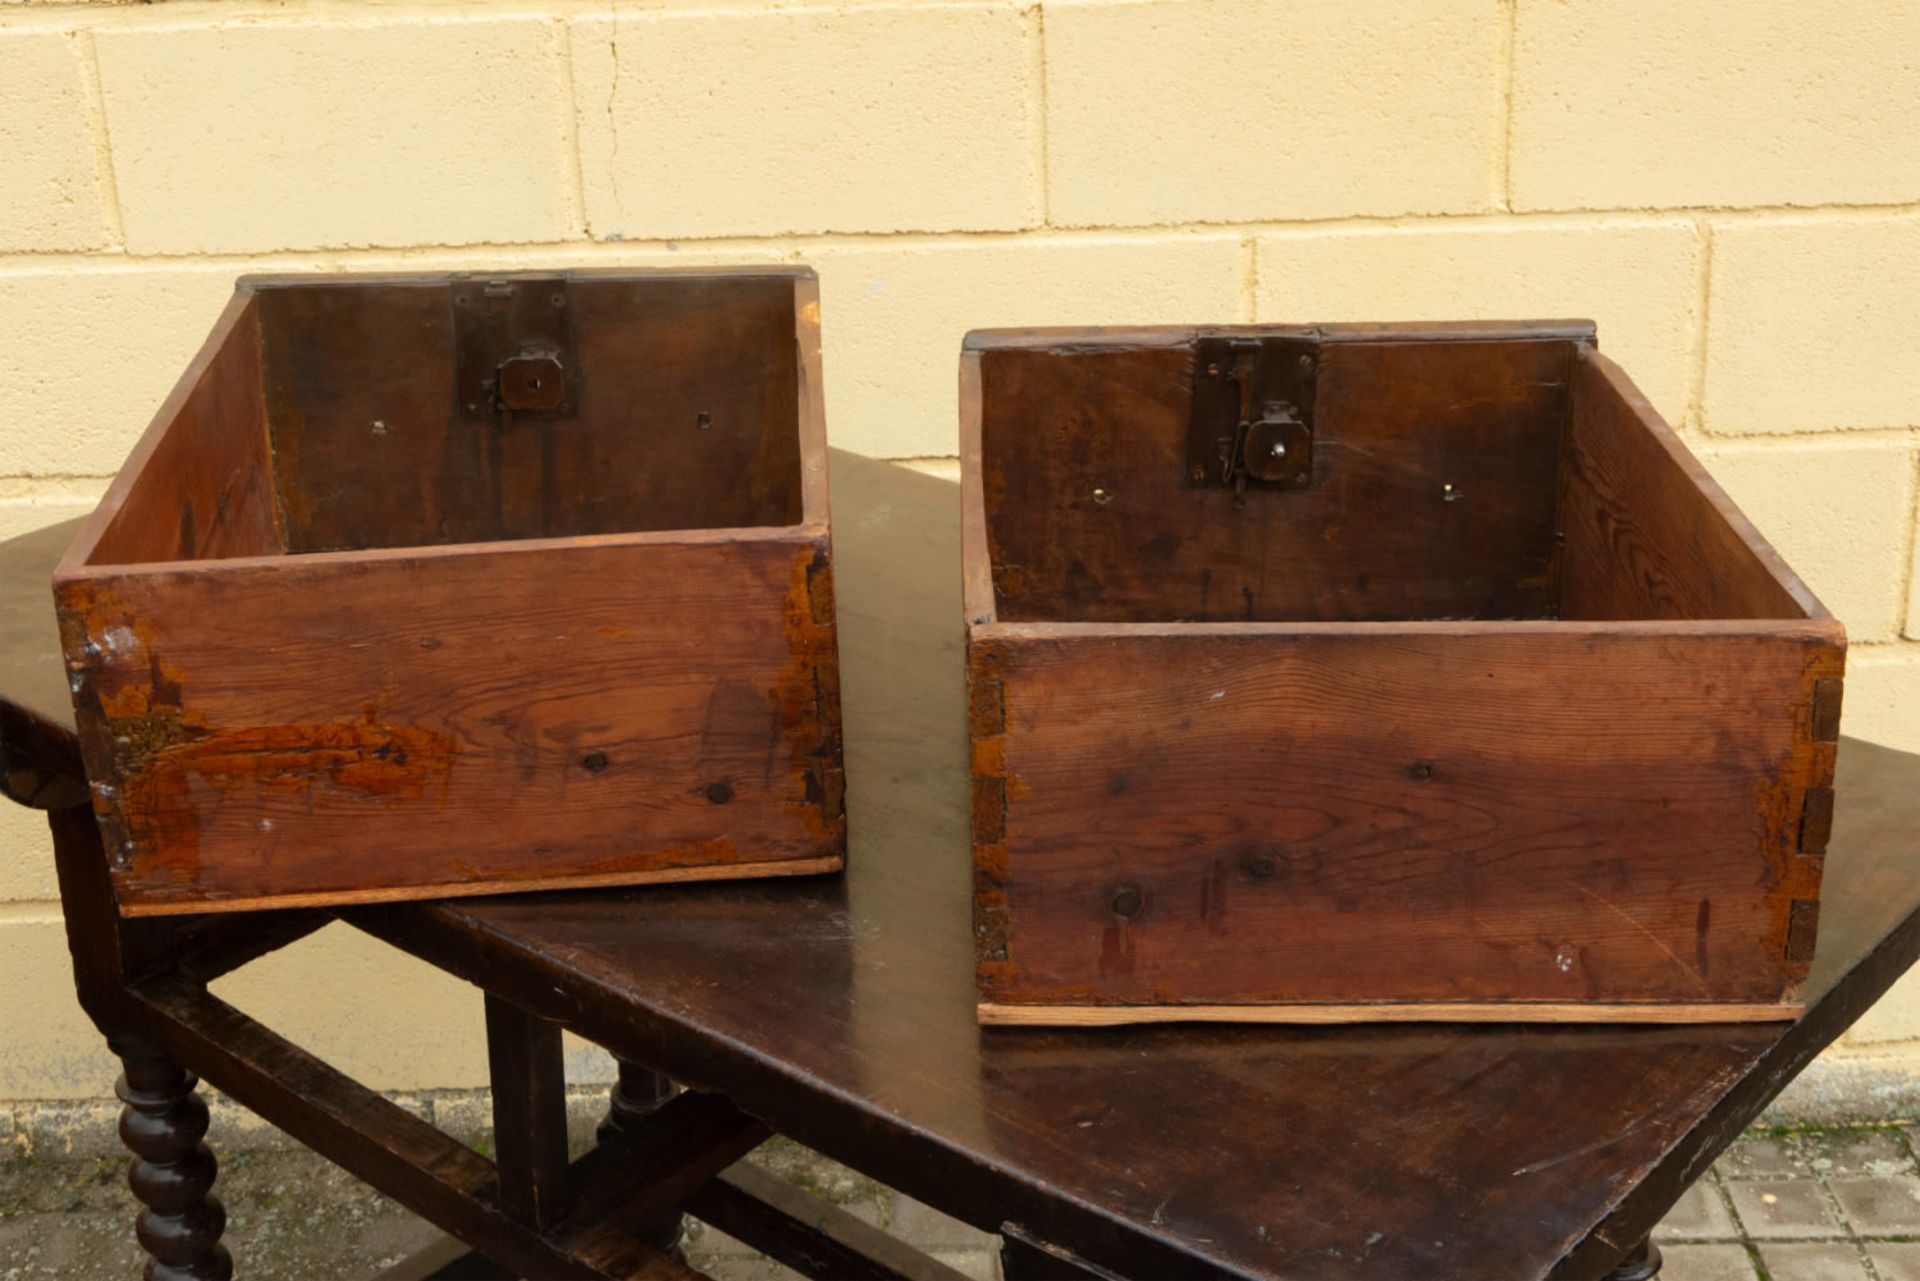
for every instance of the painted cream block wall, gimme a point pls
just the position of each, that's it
(1730, 187)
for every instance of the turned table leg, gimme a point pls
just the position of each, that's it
(1641, 1264)
(163, 1124)
(635, 1094)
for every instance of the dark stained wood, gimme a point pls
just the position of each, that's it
(1420, 768)
(1648, 532)
(636, 1095)
(652, 698)
(677, 1148)
(377, 1140)
(39, 760)
(842, 1012)
(1023, 1258)
(525, 1069)
(813, 1237)
(684, 414)
(163, 1123)
(1431, 495)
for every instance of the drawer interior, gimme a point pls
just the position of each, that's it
(1462, 475)
(376, 413)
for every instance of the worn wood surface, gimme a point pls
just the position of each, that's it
(1432, 493)
(813, 1237)
(528, 1080)
(1411, 775)
(1553, 815)
(200, 484)
(653, 704)
(1649, 534)
(684, 412)
(842, 1012)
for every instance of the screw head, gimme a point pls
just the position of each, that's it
(1279, 449)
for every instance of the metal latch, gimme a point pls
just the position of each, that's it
(513, 345)
(1252, 412)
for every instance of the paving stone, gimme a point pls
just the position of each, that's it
(1700, 1215)
(924, 1226)
(829, 1180)
(1814, 1261)
(1880, 1207)
(62, 1129)
(71, 1247)
(754, 1269)
(85, 1185)
(980, 1265)
(1708, 1263)
(1848, 1154)
(1764, 1157)
(1772, 1209)
(1895, 1260)
(467, 1116)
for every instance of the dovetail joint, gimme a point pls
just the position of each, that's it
(820, 589)
(1826, 710)
(1803, 925)
(1816, 821)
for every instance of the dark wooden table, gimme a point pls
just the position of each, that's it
(840, 1011)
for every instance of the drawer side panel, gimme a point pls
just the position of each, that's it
(1406, 817)
(460, 719)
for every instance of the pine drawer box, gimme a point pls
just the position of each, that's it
(1376, 673)
(431, 585)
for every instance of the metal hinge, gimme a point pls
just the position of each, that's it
(1252, 418)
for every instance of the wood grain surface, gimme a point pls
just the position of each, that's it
(467, 667)
(1557, 731)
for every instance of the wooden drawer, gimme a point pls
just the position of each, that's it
(431, 585)
(1473, 699)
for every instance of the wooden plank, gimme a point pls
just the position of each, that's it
(1431, 496)
(517, 885)
(1025, 1257)
(1069, 1015)
(660, 1161)
(1283, 815)
(1648, 533)
(372, 1138)
(610, 710)
(528, 1077)
(811, 1236)
(685, 413)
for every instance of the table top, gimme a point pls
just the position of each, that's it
(841, 1010)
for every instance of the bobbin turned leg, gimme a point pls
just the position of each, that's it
(163, 1124)
(1641, 1264)
(634, 1095)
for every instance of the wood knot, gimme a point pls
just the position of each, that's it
(719, 793)
(594, 762)
(1128, 900)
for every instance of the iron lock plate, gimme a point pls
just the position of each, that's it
(513, 348)
(1252, 417)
